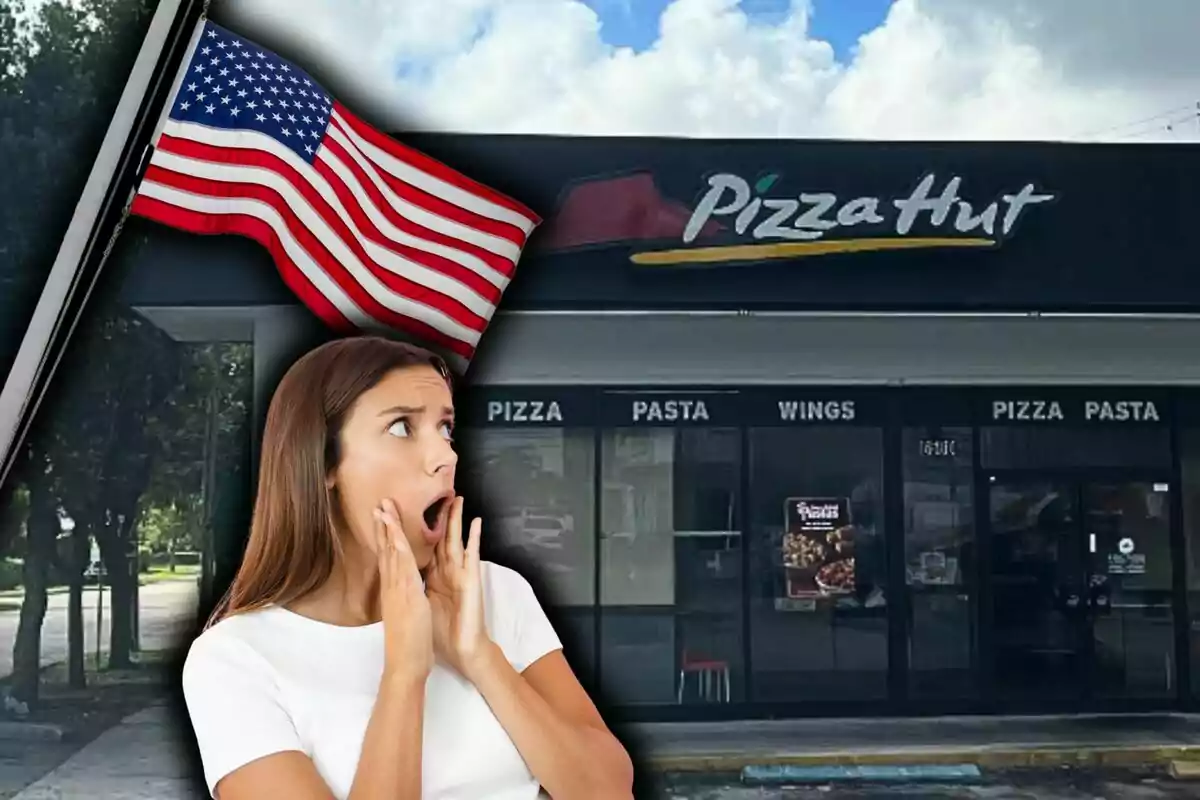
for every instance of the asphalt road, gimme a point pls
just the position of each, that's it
(1068, 785)
(167, 609)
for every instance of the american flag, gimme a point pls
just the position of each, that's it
(370, 234)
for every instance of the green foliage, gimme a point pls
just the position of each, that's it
(62, 77)
(10, 574)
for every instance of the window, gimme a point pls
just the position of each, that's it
(537, 490)
(939, 554)
(671, 565)
(818, 602)
(1189, 456)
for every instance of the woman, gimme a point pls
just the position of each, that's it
(362, 650)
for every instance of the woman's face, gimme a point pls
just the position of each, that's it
(396, 444)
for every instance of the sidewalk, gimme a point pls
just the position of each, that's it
(144, 758)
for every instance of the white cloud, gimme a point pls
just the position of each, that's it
(935, 69)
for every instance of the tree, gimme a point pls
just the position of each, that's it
(63, 74)
(124, 371)
(42, 533)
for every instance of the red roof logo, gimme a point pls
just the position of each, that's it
(628, 208)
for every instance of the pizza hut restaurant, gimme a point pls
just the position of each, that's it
(811, 428)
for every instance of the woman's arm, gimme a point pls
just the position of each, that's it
(389, 763)
(555, 726)
(388, 769)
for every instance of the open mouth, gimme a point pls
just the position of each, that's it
(433, 512)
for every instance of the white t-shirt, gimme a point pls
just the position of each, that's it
(270, 681)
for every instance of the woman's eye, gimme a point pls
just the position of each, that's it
(399, 428)
(448, 430)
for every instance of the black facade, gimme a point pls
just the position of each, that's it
(1109, 228)
(721, 551)
(772, 551)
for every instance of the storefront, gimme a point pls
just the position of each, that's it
(785, 550)
(798, 428)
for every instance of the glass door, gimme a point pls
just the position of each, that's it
(1081, 605)
(1040, 652)
(1131, 614)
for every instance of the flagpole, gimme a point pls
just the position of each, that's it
(119, 153)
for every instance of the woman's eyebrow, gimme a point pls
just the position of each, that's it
(402, 410)
(446, 410)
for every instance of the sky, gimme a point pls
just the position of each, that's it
(1088, 70)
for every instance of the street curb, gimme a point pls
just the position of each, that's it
(1015, 757)
(31, 732)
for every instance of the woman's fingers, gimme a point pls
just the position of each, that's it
(398, 546)
(472, 556)
(381, 544)
(454, 532)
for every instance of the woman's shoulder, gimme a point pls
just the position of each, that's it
(233, 643)
(503, 581)
(509, 591)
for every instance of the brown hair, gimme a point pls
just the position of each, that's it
(294, 542)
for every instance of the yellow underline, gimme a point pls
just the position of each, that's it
(760, 252)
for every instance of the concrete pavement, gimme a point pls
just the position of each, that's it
(168, 608)
(147, 757)
(995, 742)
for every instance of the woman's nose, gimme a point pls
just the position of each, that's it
(441, 457)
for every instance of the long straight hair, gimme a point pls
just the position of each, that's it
(294, 541)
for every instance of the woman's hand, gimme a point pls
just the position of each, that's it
(455, 591)
(407, 620)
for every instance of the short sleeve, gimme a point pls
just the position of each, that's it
(234, 704)
(526, 632)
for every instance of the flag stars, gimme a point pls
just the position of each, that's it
(205, 51)
(185, 105)
(260, 117)
(286, 132)
(224, 73)
(235, 111)
(211, 109)
(226, 100)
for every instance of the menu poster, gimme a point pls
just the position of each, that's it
(818, 547)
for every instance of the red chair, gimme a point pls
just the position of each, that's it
(712, 676)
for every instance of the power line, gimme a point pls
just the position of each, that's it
(1155, 120)
(1168, 125)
